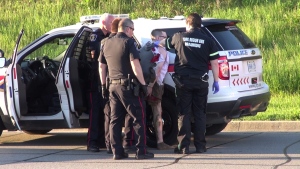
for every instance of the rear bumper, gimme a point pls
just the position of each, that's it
(243, 106)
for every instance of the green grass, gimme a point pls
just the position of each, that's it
(273, 25)
(283, 106)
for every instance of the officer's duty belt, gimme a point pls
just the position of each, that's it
(119, 81)
(204, 77)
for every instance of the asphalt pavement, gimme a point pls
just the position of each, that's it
(242, 144)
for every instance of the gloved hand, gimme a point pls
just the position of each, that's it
(145, 90)
(104, 91)
(215, 87)
(156, 43)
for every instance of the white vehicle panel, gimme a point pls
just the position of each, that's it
(2, 88)
(12, 96)
(231, 95)
(64, 101)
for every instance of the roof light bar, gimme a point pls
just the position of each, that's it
(179, 17)
(96, 18)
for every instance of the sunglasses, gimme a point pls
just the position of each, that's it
(130, 28)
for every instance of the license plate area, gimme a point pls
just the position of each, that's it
(251, 66)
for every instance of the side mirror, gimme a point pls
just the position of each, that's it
(2, 62)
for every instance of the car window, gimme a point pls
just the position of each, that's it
(231, 37)
(52, 48)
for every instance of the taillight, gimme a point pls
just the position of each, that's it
(223, 68)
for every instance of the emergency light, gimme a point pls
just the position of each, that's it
(179, 17)
(96, 18)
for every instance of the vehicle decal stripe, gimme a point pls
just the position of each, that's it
(67, 84)
(171, 68)
(2, 83)
(15, 73)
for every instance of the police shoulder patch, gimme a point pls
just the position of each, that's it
(93, 37)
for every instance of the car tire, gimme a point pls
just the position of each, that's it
(36, 131)
(170, 128)
(215, 128)
(2, 127)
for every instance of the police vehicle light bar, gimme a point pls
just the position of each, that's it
(179, 17)
(96, 18)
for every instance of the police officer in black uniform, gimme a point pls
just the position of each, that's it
(95, 136)
(114, 30)
(194, 50)
(121, 57)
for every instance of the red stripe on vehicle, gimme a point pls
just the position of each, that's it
(67, 84)
(171, 68)
(15, 73)
(1, 83)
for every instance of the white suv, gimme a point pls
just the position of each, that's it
(41, 94)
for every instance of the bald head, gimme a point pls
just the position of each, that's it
(106, 20)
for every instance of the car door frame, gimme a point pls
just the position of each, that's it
(71, 104)
(15, 88)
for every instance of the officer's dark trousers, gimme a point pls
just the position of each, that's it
(192, 98)
(106, 124)
(128, 140)
(129, 133)
(96, 124)
(121, 98)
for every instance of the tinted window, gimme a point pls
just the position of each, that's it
(231, 37)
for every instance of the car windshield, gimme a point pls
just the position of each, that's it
(231, 37)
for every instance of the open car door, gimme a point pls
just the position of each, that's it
(15, 88)
(69, 81)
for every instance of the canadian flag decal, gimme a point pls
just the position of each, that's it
(234, 67)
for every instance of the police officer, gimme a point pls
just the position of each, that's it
(114, 30)
(121, 57)
(128, 139)
(194, 51)
(95, 136)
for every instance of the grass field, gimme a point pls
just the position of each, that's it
(273, 25)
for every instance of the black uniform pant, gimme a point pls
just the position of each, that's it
(106, 123)
(121, 98)
(129, 133)
(128, 140)
(95, 136)
(192, 98)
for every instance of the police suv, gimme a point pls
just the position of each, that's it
(43, 83)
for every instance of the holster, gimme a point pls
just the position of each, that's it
(136, 87)
(176, 80)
